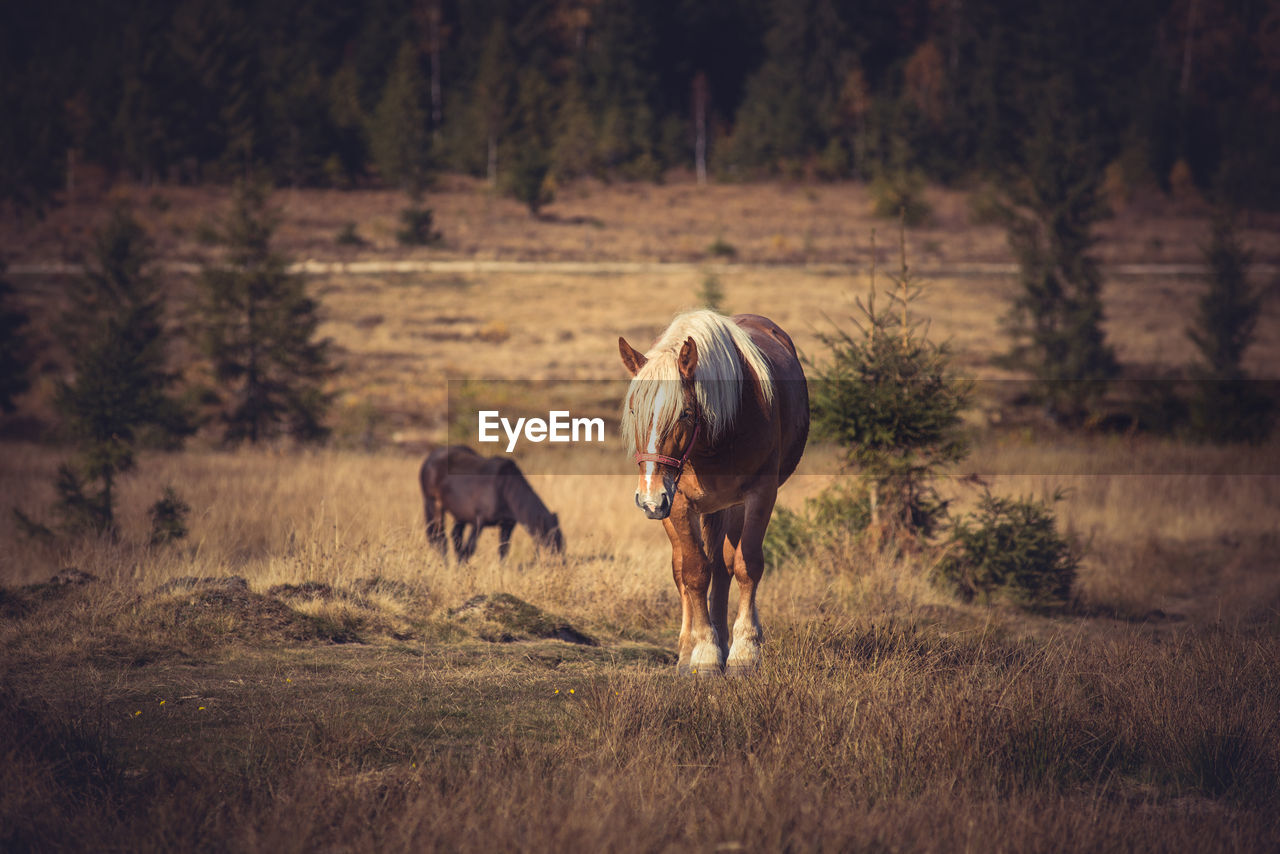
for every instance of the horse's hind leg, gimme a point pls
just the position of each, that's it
(435, 526)
(748, 568)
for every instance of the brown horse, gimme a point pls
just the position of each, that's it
(481, 491)
(717, 415)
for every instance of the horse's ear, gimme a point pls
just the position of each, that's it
(688, 361)
(631, 357)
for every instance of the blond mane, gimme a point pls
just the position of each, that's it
(654, 396)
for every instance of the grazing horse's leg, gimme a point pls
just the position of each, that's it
(435, 526)
(459, 527)
(699, 646)
(713, 538)
(748, 568)
(476, 528)
(504, 534)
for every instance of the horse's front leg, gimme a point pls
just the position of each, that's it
(476, 527)
(459, 528)
(504, 541)
(700, 650)
(748, 568)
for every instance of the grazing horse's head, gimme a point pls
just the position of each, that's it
(666, 422)
(549, 535)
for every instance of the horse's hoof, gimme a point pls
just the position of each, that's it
(742, 669)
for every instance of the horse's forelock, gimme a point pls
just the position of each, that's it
(654, 400)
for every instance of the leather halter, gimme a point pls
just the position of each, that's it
(677, 464)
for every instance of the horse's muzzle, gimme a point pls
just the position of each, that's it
(661, 510)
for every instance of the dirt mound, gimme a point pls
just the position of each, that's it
(214, 609)
(19, 602)
(305, 590)
(194, 582)
(503, 618)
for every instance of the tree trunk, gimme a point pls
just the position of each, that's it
(493, 160)
(437, 109)
(700, 98)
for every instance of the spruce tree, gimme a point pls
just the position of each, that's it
(890, 399)
(121, 389)
(1052, 204)
(398, 135)
(494, 94)
(530, 166)
(259, 331)
(1227, 406)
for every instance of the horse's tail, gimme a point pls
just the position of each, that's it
(432, 506)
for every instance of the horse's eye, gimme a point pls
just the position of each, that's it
(685, 415)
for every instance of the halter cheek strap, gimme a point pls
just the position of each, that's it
(677, 464)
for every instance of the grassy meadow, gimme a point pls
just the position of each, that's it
(302, 672)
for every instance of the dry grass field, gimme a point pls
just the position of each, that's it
(302, 673)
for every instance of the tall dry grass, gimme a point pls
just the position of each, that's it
(352, 711)
(1192, 542)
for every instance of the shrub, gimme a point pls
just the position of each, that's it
(168, 518)
(1010, 548)
(417, 230)
(721, 248)
(348, 236)
(839, 510)
(711, 294)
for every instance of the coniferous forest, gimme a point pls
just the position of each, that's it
(387, 92)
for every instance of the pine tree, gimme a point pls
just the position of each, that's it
(574, 151)
(120, 392)
(792, 100)
(398, 135)
(530, 169)
(890, 399)
(350, 124)
(494, 94)
(1052, 204)
(259, 332)
(14, 361)
(1227, 406)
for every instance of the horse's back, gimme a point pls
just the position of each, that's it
(444, 461)
(791, 392)
(766, 334)
(469, 485)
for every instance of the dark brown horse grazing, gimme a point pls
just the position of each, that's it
(717, 414)
(481, 491)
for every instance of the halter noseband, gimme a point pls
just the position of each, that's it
(677, 464)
